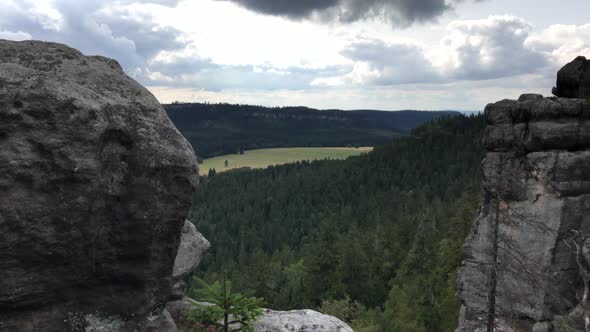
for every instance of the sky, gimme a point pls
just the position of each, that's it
(346, 54)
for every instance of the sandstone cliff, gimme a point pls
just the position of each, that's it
(527, 258)
(95, 186)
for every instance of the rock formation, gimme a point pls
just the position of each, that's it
(95, 186)
(525, 265)
(573, 80)
(299, 320)
(192, 249)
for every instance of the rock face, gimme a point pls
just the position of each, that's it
(95, 186)
(573, 80)
(520, 259)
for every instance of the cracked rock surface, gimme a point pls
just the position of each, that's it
(536, 202)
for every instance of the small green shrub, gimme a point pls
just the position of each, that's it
(223, 311)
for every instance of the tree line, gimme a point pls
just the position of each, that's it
(219, 129)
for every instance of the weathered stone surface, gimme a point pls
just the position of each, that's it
(537, 124)
(273, 321)
(95, 186)
(573, 80)
(543, 327)
(536, 179)
(160, 323)
(299, 320)
(178, 309)
(193, 247)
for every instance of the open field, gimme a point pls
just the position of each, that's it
(266, 157)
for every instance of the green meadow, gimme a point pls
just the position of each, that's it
(268, 157)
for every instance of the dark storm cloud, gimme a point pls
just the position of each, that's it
(289, 8)
(398, 12)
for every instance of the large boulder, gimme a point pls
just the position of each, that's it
(95, 184)
(573, 80)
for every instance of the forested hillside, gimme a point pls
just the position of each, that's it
(373, 239)
(218, 129)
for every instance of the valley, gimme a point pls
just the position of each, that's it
(294, 166)
(357, 238)
(221, 129)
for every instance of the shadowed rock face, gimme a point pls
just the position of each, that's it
(95, 186)
(573, 80)
(536, 178)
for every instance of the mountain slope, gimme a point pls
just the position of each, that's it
(217, 129)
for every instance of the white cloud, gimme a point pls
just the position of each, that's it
(471, 50)
(18, 35)
(488, 48)
(231, 35)
(95, 27)
(217, 49)
(562, 43)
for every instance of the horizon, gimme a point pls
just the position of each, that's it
(340, 54)
(328, 109)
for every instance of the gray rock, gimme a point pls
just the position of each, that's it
(273, 321)
(100, 323)
(96, 184)
(536, 183)
(537, 124)
(529, 96)
(178, 309)
(299, 320)
(573, 80)
(543, 327)
(162, 322)
(193, 247)
(575, 319)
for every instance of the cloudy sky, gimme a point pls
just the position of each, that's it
(348, 54)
